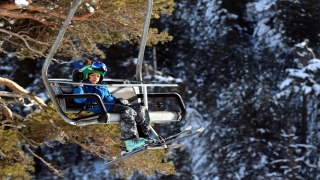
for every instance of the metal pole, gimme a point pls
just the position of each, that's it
(143, 40)
(141, 55)
(47, 62)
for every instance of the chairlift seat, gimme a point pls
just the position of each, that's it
(127, 92)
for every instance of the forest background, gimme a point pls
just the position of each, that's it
(249, 76)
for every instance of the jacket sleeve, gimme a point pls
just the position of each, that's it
(78, 90)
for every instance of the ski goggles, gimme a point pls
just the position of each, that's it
(99, 66)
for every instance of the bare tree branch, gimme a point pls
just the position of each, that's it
(15, 87)
(24, 40)
(5, 121)
(42, 15)
(23, 15)
(16, 94)
(7, 112)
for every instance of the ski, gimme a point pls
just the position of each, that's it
(160, 144)
(172, 146)
(142, 149)
(198, 131)
(173, 136)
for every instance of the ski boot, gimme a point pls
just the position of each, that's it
(136, 143)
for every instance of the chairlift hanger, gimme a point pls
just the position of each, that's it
(60, 90)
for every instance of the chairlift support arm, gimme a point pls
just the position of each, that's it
(143, 40)
(52, 51)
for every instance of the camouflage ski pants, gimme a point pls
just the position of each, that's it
(134, 120)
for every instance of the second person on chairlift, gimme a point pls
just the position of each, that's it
(134, 119)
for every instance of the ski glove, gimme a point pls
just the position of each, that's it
(77, 76)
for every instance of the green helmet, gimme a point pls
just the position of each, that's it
(94, 67)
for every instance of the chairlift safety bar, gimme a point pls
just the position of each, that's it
(121, 85)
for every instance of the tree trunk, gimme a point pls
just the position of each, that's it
(154, 60)
(304, 120)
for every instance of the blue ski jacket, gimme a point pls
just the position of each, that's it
(101, 91)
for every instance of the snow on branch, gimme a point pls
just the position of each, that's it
(306, 80)
(297, 74)
(284, 134)
(279, 161)
(306, 146)
(286, 83)
(313, 66)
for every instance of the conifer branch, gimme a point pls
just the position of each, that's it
(30, 141)
(45, 162)
(93, 148)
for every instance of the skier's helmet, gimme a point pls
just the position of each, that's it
(94, 67)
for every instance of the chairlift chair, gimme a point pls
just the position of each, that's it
(60, 90)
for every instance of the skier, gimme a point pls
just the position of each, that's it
(134, 119)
